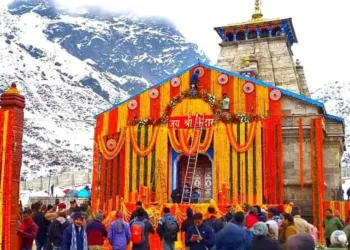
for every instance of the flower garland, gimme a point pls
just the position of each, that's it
(181, 145)
(111, 154)
(233, 141)
(147, 150)
(301, 158)
(212, 100)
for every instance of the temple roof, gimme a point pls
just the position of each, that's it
(258, 20)
(235, 74)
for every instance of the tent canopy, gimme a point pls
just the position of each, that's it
(83, 193)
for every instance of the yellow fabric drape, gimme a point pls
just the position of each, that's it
(221, 158)
(259, 173)
(250, 168)
(162, 156)
(127, 167)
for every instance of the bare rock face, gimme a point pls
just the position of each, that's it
(72, 66)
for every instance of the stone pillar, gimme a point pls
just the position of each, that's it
(304, 89)
(13, 101)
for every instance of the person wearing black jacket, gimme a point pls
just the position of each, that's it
(138, 207)
(56, 230)
(188, 222)
(43, 225)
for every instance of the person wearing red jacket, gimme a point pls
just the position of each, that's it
(252, 218)
(27, 231)
(96, 232)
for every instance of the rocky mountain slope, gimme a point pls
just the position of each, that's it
(336, 98)
(71, 66)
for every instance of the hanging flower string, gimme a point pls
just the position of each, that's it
(147, 150)
(301, 158)
(212, 100)
(233, 141)
(182, 145)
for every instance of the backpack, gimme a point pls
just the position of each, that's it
(138, 232)
(170, 230)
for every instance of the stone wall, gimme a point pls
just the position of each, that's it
(333, 149)
(64, 180)
(274, 58)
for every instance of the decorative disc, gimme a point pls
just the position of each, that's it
(223, 79)
(201, 71)
(153, 93)
(111, 144)
(248, 87)
(175, 82)
(275, 95)
(132, 104)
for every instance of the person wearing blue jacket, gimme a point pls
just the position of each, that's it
(200, 236)
(232, 237)
(195, 195)
(74, 236)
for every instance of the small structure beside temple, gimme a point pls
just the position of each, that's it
(12, 104)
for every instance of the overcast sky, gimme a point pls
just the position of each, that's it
(322, 27)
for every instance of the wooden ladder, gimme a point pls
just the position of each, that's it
(192, 162)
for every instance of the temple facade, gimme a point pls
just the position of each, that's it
(262, 139)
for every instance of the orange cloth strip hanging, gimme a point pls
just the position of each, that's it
(233, 141)
(108, 154)
(146, 150)
(301, 158)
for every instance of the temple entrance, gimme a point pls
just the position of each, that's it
(203, 176)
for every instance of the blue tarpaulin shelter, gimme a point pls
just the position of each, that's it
(83, 193)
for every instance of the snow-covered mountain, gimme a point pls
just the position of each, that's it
(71, 66)
(337, 101)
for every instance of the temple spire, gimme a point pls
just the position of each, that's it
(257, 13)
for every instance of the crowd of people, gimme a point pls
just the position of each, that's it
(57, 228)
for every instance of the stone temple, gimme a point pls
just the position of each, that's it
(262, 138)
(262, 48)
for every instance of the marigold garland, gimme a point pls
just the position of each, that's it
(147, 149)
(108, 154)
(233, 141)
(181, 145)
(301, 158)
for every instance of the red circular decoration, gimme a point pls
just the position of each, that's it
(201, 71)
(132, 104)
(223, 79)
(275, 95)
(248, 87)
(111, 144)
(153, 93)
(175, 82)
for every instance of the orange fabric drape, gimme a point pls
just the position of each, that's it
(233, 141)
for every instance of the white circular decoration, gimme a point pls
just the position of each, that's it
(132, 104)
(201, 71)
(175, 82)
(223, 79)
(275, 95)
(153, 93)
(248, 87)
(111, 144)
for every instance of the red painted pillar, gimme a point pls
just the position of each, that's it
(13, 102)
